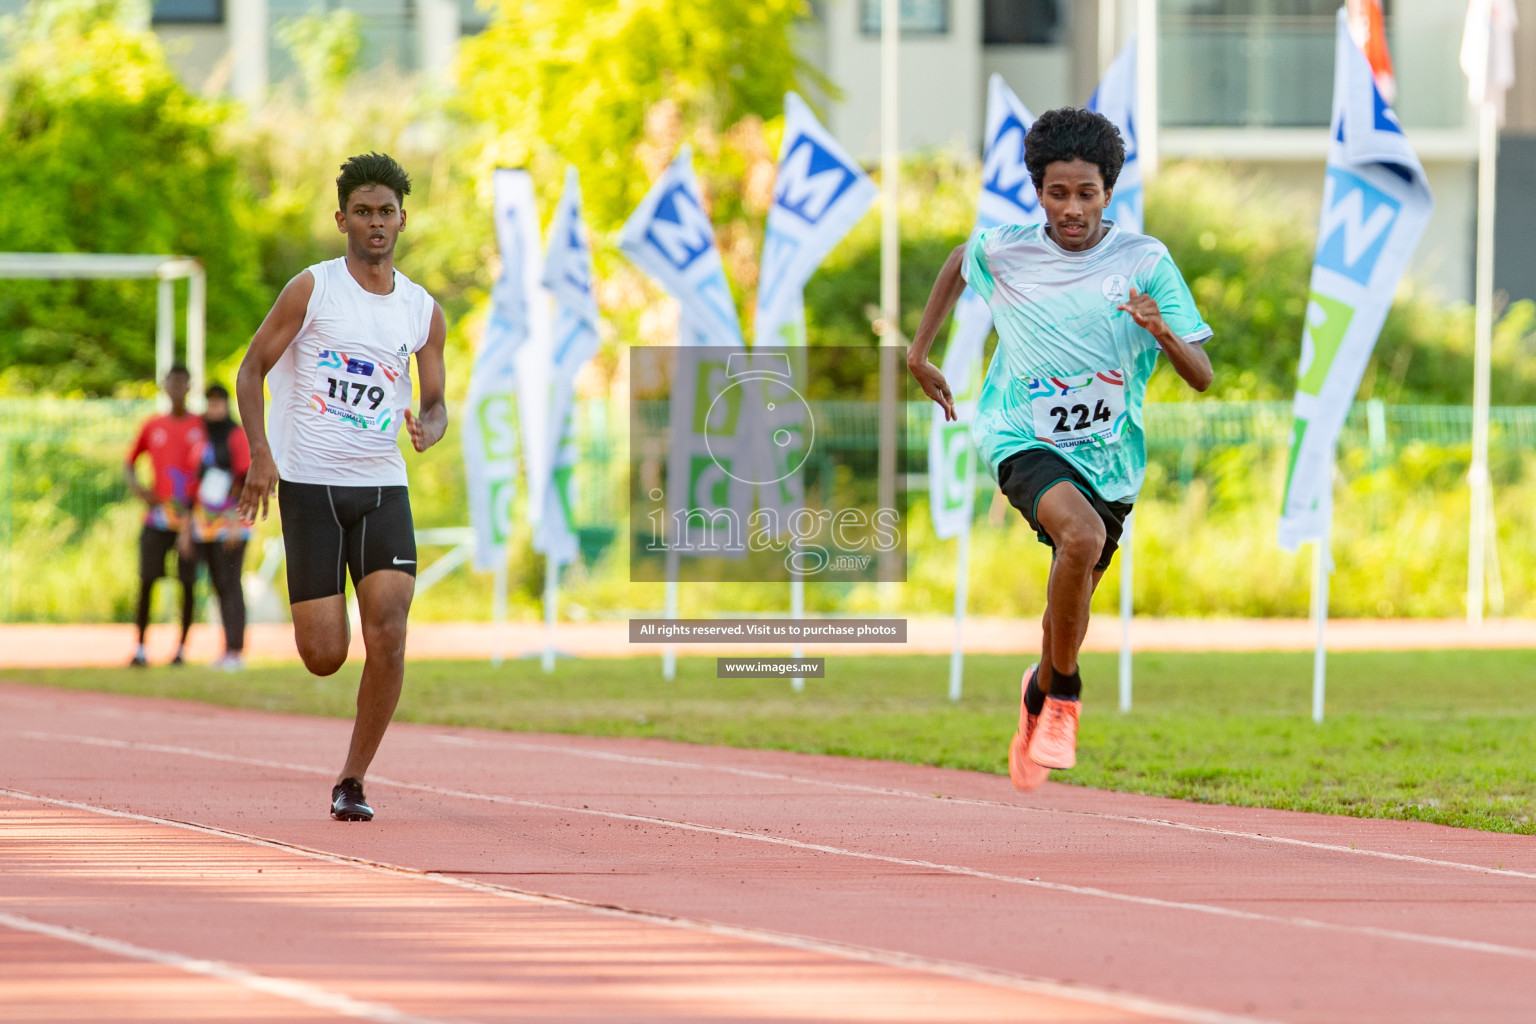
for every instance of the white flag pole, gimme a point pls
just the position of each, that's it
(1321, 566)
(551, 603)
(669, 653)
(962, 585)
(1487, 185)
(1127, 603)
(797, 612)
(1146, 88)
(499, 613)
(890, 256)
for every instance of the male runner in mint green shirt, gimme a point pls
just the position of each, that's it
(1082, 309)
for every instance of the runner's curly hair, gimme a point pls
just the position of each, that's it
(371, 169)
(1073, 133)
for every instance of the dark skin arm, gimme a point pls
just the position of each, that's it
(271, 340)
(144, 494)
(947, 290)
(1189, 361)
(428, 428)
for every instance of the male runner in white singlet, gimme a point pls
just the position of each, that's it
(1082, 310)
(336, 352)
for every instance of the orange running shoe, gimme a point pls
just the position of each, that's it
(1054, 743)
(1026, 774)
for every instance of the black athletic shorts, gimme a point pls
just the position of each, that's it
(329, 531)
(1025, 476)
(154, 545)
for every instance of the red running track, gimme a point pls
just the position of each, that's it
(163, 860)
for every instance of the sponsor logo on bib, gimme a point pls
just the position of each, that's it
(1082, 410)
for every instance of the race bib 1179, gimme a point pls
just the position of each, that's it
(1084, 409)
(358, 392)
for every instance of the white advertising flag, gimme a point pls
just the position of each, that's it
(1376, 205)
(568, 276)
(490, 431)
(1007, 197)
(670, 238)
(1116, 99)
(819, 194)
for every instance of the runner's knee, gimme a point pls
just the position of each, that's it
(1080, 542)
(323, 657)
(385, 636)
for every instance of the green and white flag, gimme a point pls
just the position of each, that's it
(671, 239)
(518, 311)
(1007, 197)
(1376, 205)
(568, 276)
(819, 194)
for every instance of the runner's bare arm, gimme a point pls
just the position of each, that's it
(131, 474)
(429, 428)
(1189, 361)
(947, 290)
(271, 340)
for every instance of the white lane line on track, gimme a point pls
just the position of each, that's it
(1371, 931)
(854, 787)
(866, 954)
(312, 996)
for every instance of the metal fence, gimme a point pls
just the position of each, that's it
(68, 451)
(60, 459)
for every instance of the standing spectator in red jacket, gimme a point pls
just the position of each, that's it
(169, 441)
(213, 533)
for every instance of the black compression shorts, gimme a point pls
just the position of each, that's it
(1025, 476)
(330, 531)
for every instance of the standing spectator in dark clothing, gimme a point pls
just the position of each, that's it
(169, 441)
(213, 533)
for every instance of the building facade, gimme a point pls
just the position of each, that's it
(1248, 82)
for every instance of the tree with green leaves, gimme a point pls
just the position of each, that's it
(603, 84)
(102, 149)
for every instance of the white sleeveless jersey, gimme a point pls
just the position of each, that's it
(340, 391)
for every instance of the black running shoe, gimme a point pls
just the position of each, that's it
(139, 661)
(348, 803)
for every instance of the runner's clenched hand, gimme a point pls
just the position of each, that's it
(1143, 309)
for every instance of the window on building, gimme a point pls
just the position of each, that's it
(1247, 63)
(172, 12)
(921, 17)
(1023, 22)
(472, 17)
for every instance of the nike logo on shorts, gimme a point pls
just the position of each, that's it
(404, 561)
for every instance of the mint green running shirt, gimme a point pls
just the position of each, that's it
(1070, 372)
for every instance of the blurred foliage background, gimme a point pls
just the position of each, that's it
(102, 149)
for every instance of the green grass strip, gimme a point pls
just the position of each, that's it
(1439, 736)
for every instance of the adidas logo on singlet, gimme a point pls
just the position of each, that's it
(404, 349)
